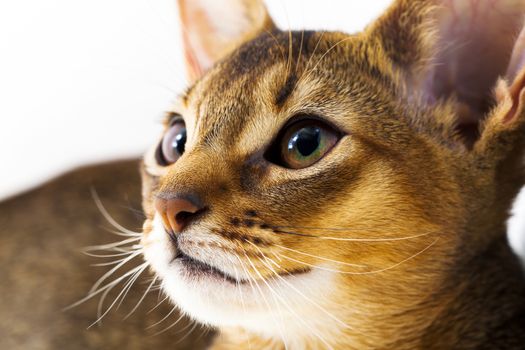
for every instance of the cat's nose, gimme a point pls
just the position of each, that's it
(177, 213)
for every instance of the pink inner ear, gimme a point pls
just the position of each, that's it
(517, 61)
(474, 46)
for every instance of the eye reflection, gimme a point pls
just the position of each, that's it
(303, 144)
(173, 144)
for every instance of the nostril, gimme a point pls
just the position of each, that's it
(183, 215)
(178, 212)
(184, 218)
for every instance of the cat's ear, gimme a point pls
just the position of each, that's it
(457, 50)
(505, 126)
(211, 29)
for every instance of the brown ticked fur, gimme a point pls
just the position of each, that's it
(43, 269)
(408, 192)
(427, 199)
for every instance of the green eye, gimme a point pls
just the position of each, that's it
(305, 142)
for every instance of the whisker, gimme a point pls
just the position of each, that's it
(365, 272)
(195, 324)
(206, 329)
(313, 53)
(103, 288)
(170, 326)
(239, 289)
(299, 292)
(158, 287)
(164, 318)
(103, 297)
(324, 55)
(125, 249)
(118, 244)
(123, 292)
(158, 304)
(108, 217)
(290, 42)
(142, 298)
(276, 41)
(128, 286)
(295, 314)
(110, 272)
(319, 257)
(108, 255)
(264, 299)
(358, 239)
(109, 263)
(125, 234)
(300, 51)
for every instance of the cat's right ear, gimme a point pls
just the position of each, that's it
(212, 29)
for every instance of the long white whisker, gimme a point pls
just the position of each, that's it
(142, 268)
(326, 53)
(164, 318)
(238, 286)
(274, 295)
(170, 326)
(111, 245)
(108, 217)
(319, 257)
(297, 316)
(195, 324)
(125, 234)
(103, 297)
(108, 255)
(128, 286)
(158, 304)
(142, 298)
(353, 239)
(103, 288)
(112, 271)
(365, 272)
(300, 293)
(313, 54)
(109, 263)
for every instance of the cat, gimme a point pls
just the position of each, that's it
(43, 269)
(325, 190)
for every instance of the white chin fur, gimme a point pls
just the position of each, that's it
(293, 305)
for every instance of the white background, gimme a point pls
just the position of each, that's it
(86, 81)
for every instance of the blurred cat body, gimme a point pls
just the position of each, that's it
(395, 237)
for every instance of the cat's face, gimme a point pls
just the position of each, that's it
(297, 180)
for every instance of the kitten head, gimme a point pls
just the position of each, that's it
(313, 180)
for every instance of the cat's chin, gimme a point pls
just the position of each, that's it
(216, 298)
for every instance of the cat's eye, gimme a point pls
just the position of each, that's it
(173, 143)
(303, 143)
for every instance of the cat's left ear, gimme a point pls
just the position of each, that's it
(211, 29)
(505, 125)
(469, 53)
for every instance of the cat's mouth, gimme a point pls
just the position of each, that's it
(194, 268)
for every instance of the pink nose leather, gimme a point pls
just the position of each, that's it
(176, 213)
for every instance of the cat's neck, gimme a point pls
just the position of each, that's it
(480, 303)
(483, 303)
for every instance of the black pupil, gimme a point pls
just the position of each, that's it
(306, 140)
(179, 141)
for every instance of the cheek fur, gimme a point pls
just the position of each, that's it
(252, 306)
